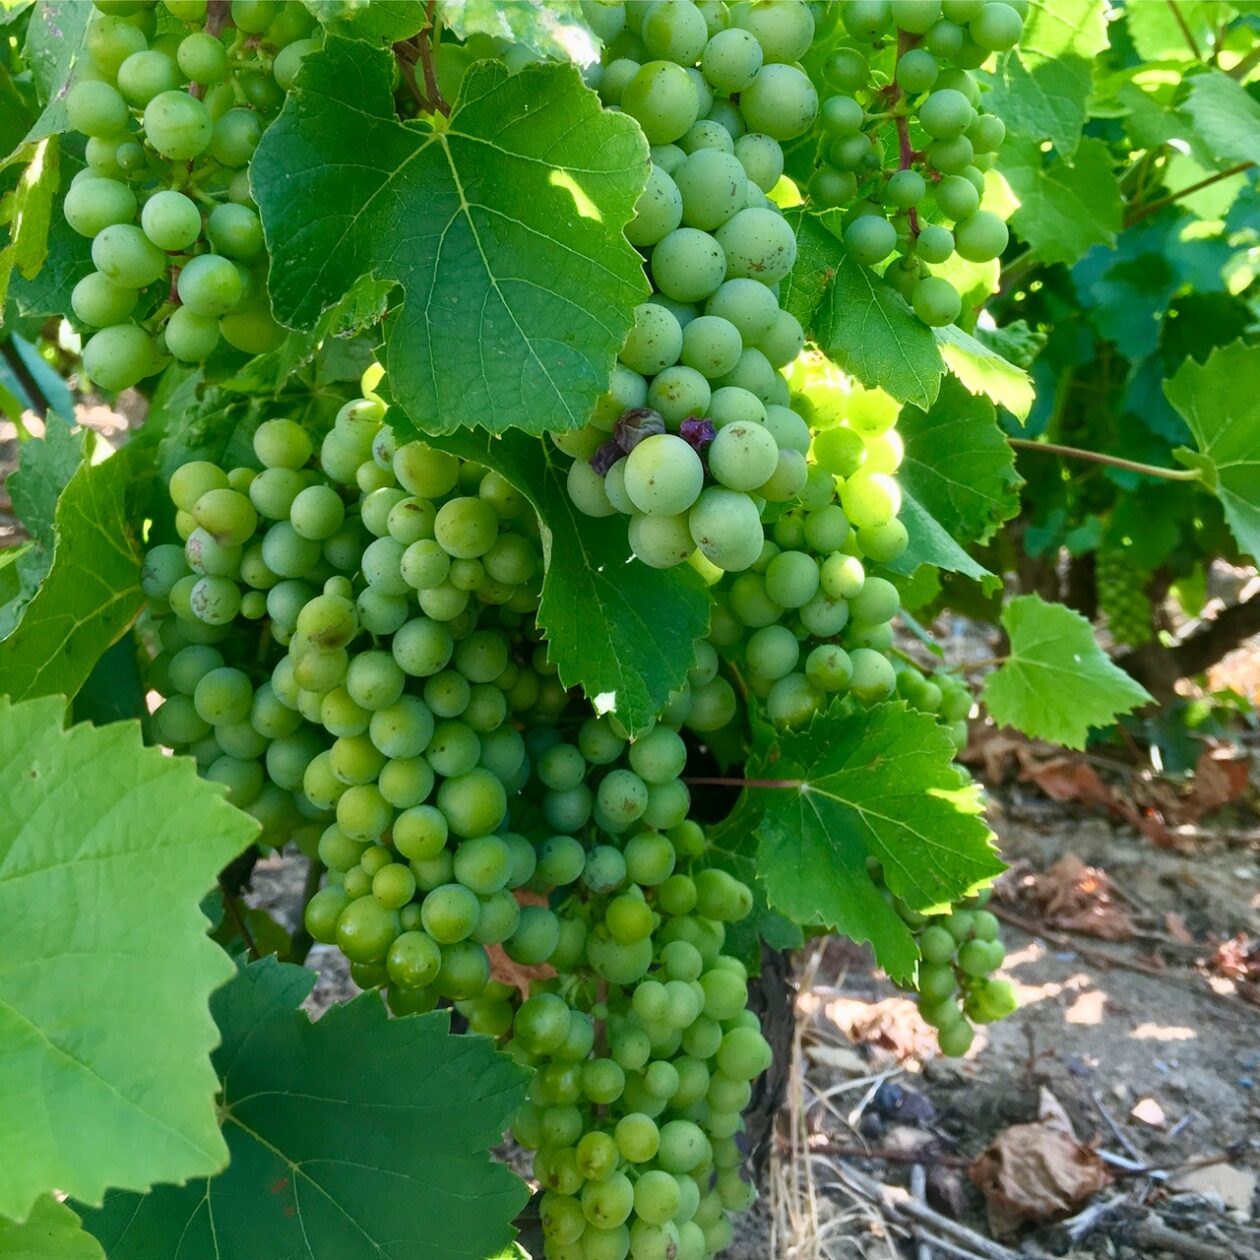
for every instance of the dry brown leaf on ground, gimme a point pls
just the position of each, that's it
(1036, 1172)
(1220, 778)
(1238, 959)
(1074, 897)
(892, 1024)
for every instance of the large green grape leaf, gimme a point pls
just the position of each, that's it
(385, 21)
(1226, 119)
(1056, 682)
(984, 371)
(503, 227)
(106, 849)
(51, 1232)
(358, 1137)
(732, 846)
(625, 633)
(958, 464)
(1066, 205)
(868, 783)
(857, 320)
(68, 255)
(1220, 401)
(1041, 88)
(91, 592)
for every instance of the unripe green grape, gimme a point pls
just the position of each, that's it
(846, 69)
(870, 238)
(96, 109)
(288, 62)
(662, 100)
(235, 137)
(841, 116)
(762, 159)
(905, 188)
(93, 204)
(711, 186)
(126, 257)
(235, 231)
(981, 237)
(687, 265)
(997, 27)
(145, 74)
(873, 676)
(119, 356)
(935, 244)
(731, 59)
(110, 41)
(884, 543)
(658, 211)
(758, 244)
(98, 302)
(955, 1039)
(780, 102)
(209, 285)
(987, 133)
(675, 32)
(177, 125)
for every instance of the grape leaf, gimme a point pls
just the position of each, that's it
(503, 228)
(958, 464)
(868, 783)
(385, 21)
(553, 28)
(1067, 205)
(1041, 89)
(68, 255)
(1226, 118)
(354, 1138)
(106, 847)
(92, 590)
(1220, 401)
(857, 320)
(732, 846)
(54, 51)
(983, 371)
(1056, 682)
(931, 543)
(51, 1232)
(45, 466)
(1159, 31)
(29, 213)
(625, 633)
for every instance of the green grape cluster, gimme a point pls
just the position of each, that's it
(349, 645)
(905, 143)
(172, 111)
(958, 954)
(696, 434)
(1120, 584)
(942, 693)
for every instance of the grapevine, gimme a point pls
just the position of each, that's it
(563, 426)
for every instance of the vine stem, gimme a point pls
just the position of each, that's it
(905, 150)
(1153, 207)
(436, 100)
(1112, 461)
(1191, 43)
(232, 905)
(721, 781)
(216, 20)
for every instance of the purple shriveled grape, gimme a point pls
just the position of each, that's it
(635, 425)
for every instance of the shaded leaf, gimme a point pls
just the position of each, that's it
(931, 543)
(1226, 117)
(625, 633)
(552, 28)
(958, 464)
(354, 1138)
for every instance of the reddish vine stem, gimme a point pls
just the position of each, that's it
(435, 98)
(905, 150)
(216, 20)
(721, 781)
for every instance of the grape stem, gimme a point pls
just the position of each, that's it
(216, 20)
(1153, 207)
(420, 51)
(1112, 461)
(905, 41)
(232, 906)
(722, 781)
(1191, 43)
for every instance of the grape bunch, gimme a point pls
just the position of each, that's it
(172, 114)
(958, 954)
(348, 644)
(696, 433)
(942, 693)
(1120, 584)
(904, 141)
